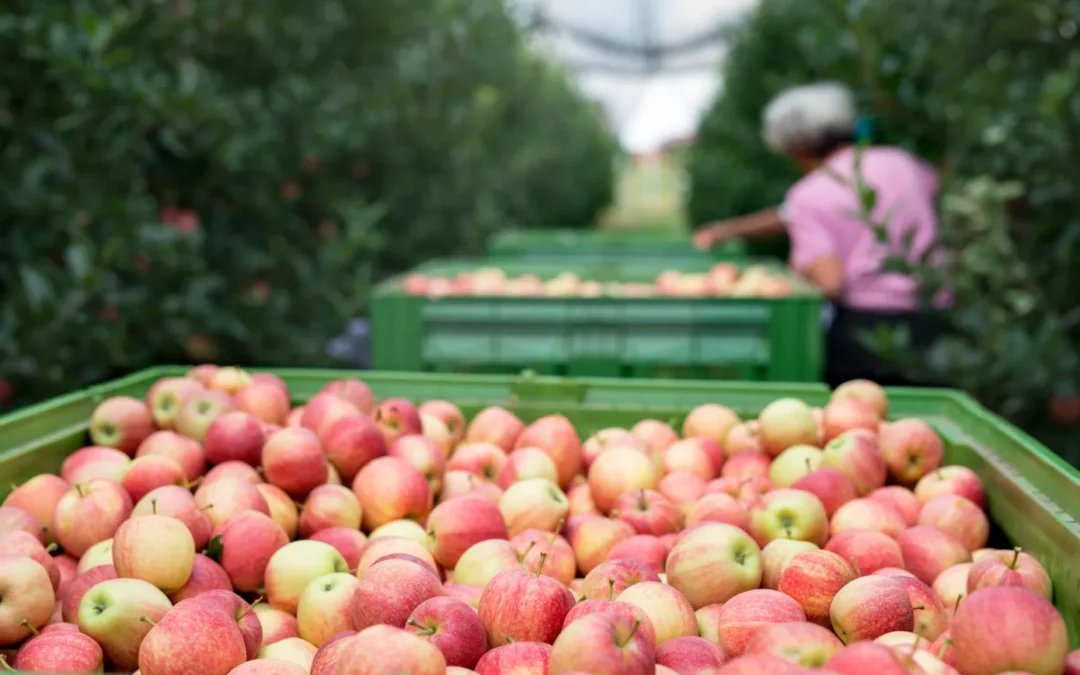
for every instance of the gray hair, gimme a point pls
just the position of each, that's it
(809, 118)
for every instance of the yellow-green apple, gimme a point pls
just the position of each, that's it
(435, 429)
(607, 580)
(526, 463)
(690, 654)
(611, 437)
(176, 502)
(329, 506)
(37, 498)
(557, 437)
(447, 413)
(157, 549)
(786, 422)
(389, 489)
(869, 607)
(118, 614)
(682, 489)
(536, 503)
(746, 464)
(901, 499)
(121, 422)
(456, 525)
(88, 513)
(708, 620)
(844, 414)
(397, 417)
(656, 434)
(242, 612)
(866, 391)
(424, 456)
(786, 513)
(26, 544)
(458, 483)
(1009, 568)
(959, 517)
(200, 411)
(669, 611)
(293, 460)
(1008, 629)
(855, 454)
(559, 561)
(647, 511)
(911, 449)
(775, 558)
(592, 537)
(234, 436)
(282, 508)
(326, 658)
(390, 590)
(228, 379)
(745, 614)
(603, 644)
(929, 551)
(802, 643)
(710, 420)
(78, 587)
(617, 471)
(348, 542)
(206, 575)
(167, 396)
(267, 402)
(325, 607)
(951, 585)
(644, 548)
(832, 487)
(521, 605)
(381, 547)
(453, 627)
(794, 463)
(93, 462)
(587, 607)
(581, 501)
(518, 658)
(496, 426)
(224, 497)
(867, 550)
(246, 541)
(951, 480)
(28, 599)
(61, 651)
(354, 391)
(930, 617)
(351, 442)
(483, 460)
(294, 566)
(268, 666)
(690, 456)
(324, 410)
(99, 554)
(744, 437)
(276, 624)
(867, 514)
(150, 472)
(202, 373)
(718, 508)
(233, 469)
(813, 579)
(166, 649)
(410, 529)
(866, 657)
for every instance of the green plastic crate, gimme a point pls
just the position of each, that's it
(699, 338)
(674, 247)
(1033, 496)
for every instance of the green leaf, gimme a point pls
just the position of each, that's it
(215, 549)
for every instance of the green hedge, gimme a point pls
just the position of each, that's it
(985, 89)
(186, 181)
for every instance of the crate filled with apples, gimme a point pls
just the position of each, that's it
(212, 526)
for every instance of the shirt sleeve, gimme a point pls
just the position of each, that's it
(928, 178)
(809, 233)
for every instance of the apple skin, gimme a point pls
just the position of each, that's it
(267, 666)
(556, 436)
(591, 537)
(483, 560)
(670, 613)
(93, 462)
(526, 463)
(294, 566)
(453, 627)
(714, 563)
(24, 544)
(282, 509)
(959, 517)
(867, 514)
(718, 508)
(776, 556)
(88, 513)
(1072, 666)
(690, 456)
(61, 651)
(329, 506)
(324, 410)
(607, 580)
(234, 436)
(744, 437)
(633, 612)
(710, 420)
(326, 658)
(930, 617)
(951, 585)
(804, 644)
(521, 606)
(449, 414)
(293, 460)
(617, 471)
(866, 657)
(351, 442)
(901, 499)
(644, 548)
(789, 514)
(760, 664)
(1009, 568)
(233, 469)
(242, 613)
(813, 579)
(325, 607)
(682, 489)
(518, 658)
(354, 391)
(844, 414)
(156, 549)
(868, 392)
(200, 411)
(581, 500)
(249, 540)
(870, 607)
(424, 455)
(1007, 628)
(381, 547)
(604, 644)
(276, 624)
(855, 454)
(955, 480)
(167, 396)
(100, 553)
(78, 587)
(458, 524)
(37, 498)
(121, 422)
(390, 590)
(610, 437)
(267, 402)
(397, 417)
(656, 434)
(206, 575)
(832, 487)
(228, 379)
(176, 502)
(747, 464)
(648, 512)
(166, 649)
(691, 654)
(536, 503)
(224, 497)
(867, 550)
(28, 598)
(928, 551)
(911, 449)
(295, 651)
(14, 519)
(559, 562)
(494, 425)
(742, 616)
(383, 650)
(146, 473)
(793, 464)
(111, 612)
(391, 489)
(786, 422)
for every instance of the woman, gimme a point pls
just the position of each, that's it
(833, 243)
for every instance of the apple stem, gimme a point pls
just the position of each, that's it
(642, 502)
(79, 489)
(944, 648)
(50, 548)
(611, 589)
(958, 599)
(558, 529)
(4, 663)
(918, 607)
(251, 607)
(153, 506)
(809, 466)
(915, 645)
(855, 565)
(746, 481)
(543, 557)
(637, 622)
(521, 558)
(206, 508)
(192, 484)
(509, 640)
(1015, 558)
(146, 619)
(33, 631)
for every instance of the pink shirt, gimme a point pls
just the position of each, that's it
(821, 213)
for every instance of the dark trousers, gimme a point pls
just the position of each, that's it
(847, 358)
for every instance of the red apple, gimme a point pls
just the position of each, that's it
(604, 644)
(745, 614)
(121, 422)
(351, 442)
(397, 417)
(718, 508)
(693, 655)
(526, 463)
(375, 650)
(951, 585)
(710, 420)
(959, 517)
(930, 617)
(293, 460)
(79, 586)
(95, 462)
(282, 508)
(16, 520)
(870, 607)
(516, 658)
(38, 498)
(523, 606)
(1009, 568)
(928, 551)
(277, 625)
(167, 396)
(953, 480)
(88, 513)
(911, 449)
(609, 579)
(447, 413)
(324, 410)
(28, 597)
(647, 511)
(326, 658)
(845, 414)
(60, 652)
(267, 401)
(689, 456)
(681, 489)
(233, 469)
(390, 590)
(866, 657)
(348, 542)
(555, 436)
(166, 649)
(483, 460)
(157, 549)
(866, 391)
(200, 411)
(380, 547)
(776, 556)
(391, 489)
(559, 561)
(831, 486)
(458, 524)
(656, 434)
(451, 626)
(354, 391)
(745, 437)
(901, 499)
(617, 471)
(668, 610)
(242, 613)
(784, 423)
(496, 426)
(805, 644)
(867, 550)
(424, 456)
(746, 464)
(224, 497)
(593, 536)
(813, 579)
(644, 548)
(176, 502)
(1008, 629)
(206, 575)
(855, 454)
(248, 540)
(867, 514)
(150, 472)
(234, 436)
(329, 506)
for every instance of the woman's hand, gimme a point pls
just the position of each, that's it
(712, 234)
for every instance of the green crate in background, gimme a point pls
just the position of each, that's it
(1033, 496)
(698, 338)
(674, 247)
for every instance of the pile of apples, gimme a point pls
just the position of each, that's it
(722, 280)
(214, 529)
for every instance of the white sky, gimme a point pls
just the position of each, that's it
(646, 111)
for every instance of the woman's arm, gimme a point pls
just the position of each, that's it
(761, 224)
